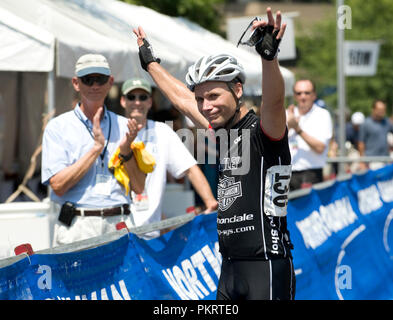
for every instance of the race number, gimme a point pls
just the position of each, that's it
(276, 190)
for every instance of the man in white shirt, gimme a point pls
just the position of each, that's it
(170, 155)
(310, 130)
(76, 148)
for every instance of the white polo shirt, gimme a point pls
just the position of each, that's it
(171, 155)
(67, 138)
(317, 123)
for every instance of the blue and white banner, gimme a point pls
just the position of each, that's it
(343, 239)
(182, 264)
(342, 236)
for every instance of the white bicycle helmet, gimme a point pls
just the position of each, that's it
(221, 67)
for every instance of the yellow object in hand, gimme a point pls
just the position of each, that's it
(144, 159)
(117, 168)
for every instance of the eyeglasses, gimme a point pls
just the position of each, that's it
(89, 80)
(141, 97)
(298, 93)
(254, 36)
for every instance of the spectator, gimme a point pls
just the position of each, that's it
(310, 130)
(76, 148)
(373, 135)
(170, 155)
(353, 128)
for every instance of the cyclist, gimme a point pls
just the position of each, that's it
(251, 220)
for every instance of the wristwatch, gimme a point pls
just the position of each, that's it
(125, 158)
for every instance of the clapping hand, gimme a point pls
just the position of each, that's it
(133, 128)
(292, 120)
(99, 138)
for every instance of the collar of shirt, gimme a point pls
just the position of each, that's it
(86, 120)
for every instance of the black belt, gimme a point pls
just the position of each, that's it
(108, 212)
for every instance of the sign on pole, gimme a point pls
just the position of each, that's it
(361, 58)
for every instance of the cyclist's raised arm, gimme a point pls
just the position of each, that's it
(176, 91)
(273, 115)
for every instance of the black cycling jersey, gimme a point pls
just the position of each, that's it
(253, 193)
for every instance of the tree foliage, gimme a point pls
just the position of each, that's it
(204, 12)
(371, 20)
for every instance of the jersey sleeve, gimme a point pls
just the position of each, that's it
(273, 148)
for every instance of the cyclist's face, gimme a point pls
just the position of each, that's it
(215, 102)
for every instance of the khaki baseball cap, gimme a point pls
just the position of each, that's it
(92, 63)
(135, 83)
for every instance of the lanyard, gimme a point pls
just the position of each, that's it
(102, 155)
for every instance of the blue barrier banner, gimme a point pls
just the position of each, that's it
(343, 240)
(181, 264)
(343, 249)
(14, 281)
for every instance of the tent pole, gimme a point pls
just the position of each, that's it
(51, 90)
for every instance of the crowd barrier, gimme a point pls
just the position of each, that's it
(340, 231)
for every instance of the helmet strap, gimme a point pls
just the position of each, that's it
(230, 122)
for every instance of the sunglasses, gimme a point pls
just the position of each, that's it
(141, 97)
(89, 80)
(307, 93)
(254, 36)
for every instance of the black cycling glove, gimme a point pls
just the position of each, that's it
(146, 55)
(268, 46)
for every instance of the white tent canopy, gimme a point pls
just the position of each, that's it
(25, 46)
(72, 38)
(105, 26)
(187, 40)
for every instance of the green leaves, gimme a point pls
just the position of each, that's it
(371, 20)
(204, 12)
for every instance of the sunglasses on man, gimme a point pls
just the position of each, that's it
(133, 97)
(89, 80)
(299, 93)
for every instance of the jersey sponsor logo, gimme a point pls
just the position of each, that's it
(228, 232)
(228, 164)
(228, 192)
(276, 190)
(234, 219)
(274, 236)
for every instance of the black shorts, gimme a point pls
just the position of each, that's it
(257, 280)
